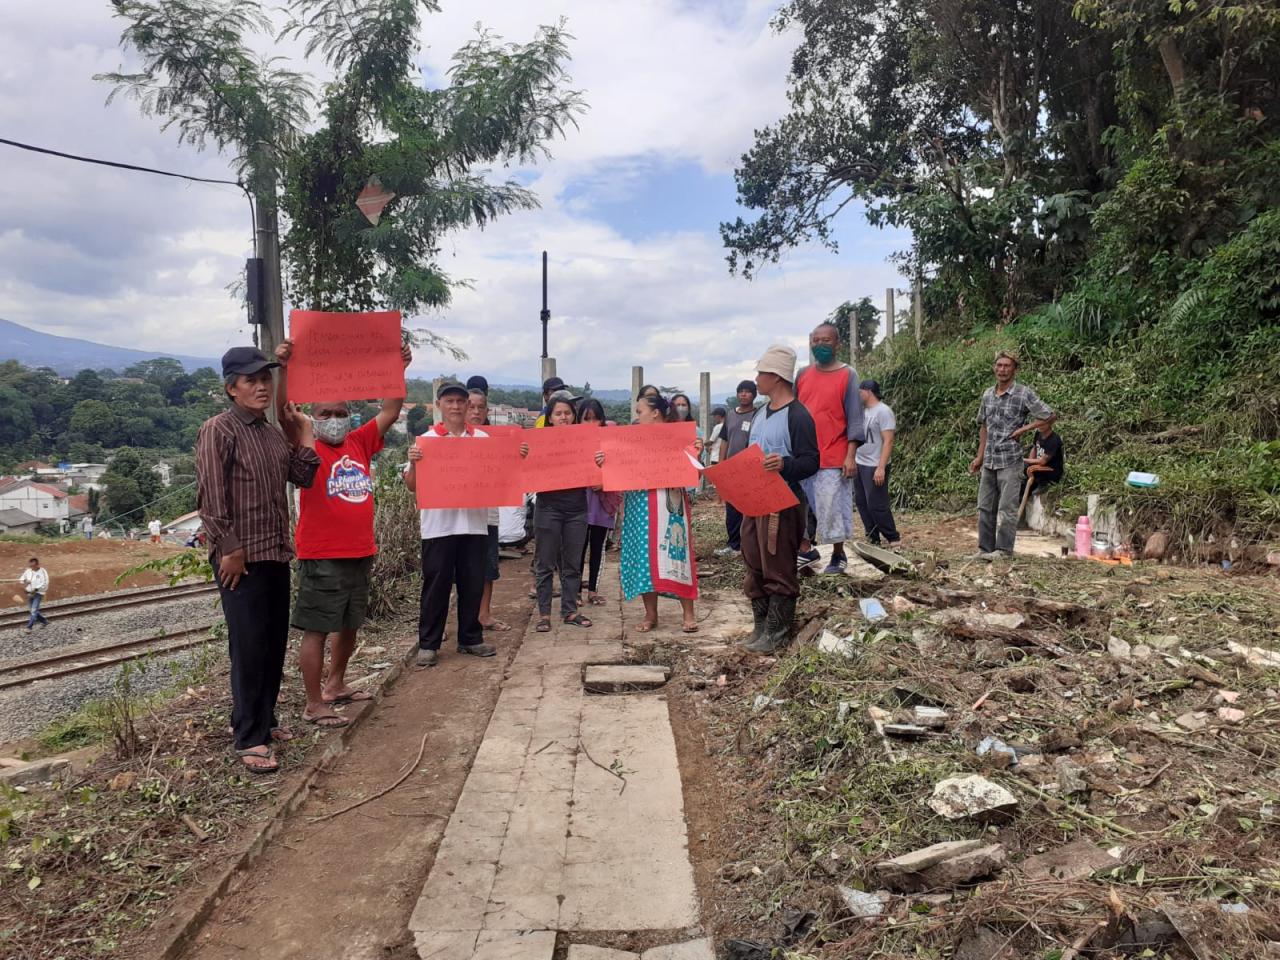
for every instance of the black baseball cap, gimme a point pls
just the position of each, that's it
(747, 385)
(478, 383)
(872, 386)
(245, 361)
(552, 383)
(451, 386)
(719, 412)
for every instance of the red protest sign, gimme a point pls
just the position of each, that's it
(743, 481)
(344, 356)
(561, 458)
(648, 457)
(468, 472)
(503, 429)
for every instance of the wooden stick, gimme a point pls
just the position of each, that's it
(1025, 497)
(381, 793)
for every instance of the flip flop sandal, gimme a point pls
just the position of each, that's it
(646, 626)
(544, 625)
(268, 763)
(281, 734)
(598, 601)
(327, 720)
(692, 629)
(497, 626)
(355, 696)
(578, 620)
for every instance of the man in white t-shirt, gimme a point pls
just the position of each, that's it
(871, 482)
(454, 543)
(154, 529)
(36, 581)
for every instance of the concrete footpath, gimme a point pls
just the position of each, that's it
(572, 817)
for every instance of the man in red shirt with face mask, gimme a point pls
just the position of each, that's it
(335, 545)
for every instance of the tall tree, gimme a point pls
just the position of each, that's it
(374, 120)
(858, 324)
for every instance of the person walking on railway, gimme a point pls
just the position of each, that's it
(153, 528)
(86, 527)
(735, 439)
(478, 416)
(335, 544)
(243, 466)
(829, 391)
(1002, 416)
(35, 580)
(657, 537)
(784, 430)
(871, 483)
(454, 541)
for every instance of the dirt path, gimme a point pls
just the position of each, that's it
(80, 568)
(346, 887)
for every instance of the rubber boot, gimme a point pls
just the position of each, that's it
(760, 613)
(782, 615)
(767, 641)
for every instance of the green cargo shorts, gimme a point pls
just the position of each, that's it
(333, 595)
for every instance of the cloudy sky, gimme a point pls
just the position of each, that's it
(630, 203)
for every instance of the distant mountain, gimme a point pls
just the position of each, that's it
(69, 355)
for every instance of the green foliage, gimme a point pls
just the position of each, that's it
(131, 485)
(862, 317)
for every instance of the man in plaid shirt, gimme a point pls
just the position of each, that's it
(1002, 415)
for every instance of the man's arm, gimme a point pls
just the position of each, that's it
(805, 458)
(212, 495)
(284, 350)
(391, 408)
(1037, 408)
(976, 464)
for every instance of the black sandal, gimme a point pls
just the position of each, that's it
(544, 625)
(578, 620)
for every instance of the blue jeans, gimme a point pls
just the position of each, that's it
(36, 615)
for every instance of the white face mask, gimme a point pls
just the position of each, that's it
(333, 430)
(682, 413)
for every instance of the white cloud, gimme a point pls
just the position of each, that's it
(140, 261)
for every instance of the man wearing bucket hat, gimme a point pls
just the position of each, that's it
(785, 431)
(243, 465)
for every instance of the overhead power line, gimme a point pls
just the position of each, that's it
(135, 167)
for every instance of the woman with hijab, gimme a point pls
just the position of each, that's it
(657, 544)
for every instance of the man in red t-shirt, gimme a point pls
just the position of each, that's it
(828, 389)
(335, 545)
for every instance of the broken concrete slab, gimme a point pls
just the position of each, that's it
(862, 904)
(585, 951)
(37, 771)
(700, 949)
(1073, 861)
(1255, 656)
(624, 678)
(971, 798)
(830, 643)
(935, 718)
(941, 866)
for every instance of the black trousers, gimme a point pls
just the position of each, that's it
(447, 561)
(257, 615)
(595, 545)
(873, 504)
(733, 524)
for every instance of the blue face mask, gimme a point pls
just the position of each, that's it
(824, 353)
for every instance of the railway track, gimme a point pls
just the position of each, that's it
(58, 609)
(85, 658)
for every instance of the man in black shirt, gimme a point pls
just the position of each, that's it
(733, 440)
(1044, 466)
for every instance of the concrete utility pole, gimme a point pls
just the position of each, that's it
(890, 313)
(917, 308)
(637, 381)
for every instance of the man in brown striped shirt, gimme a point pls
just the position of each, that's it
(243, 465)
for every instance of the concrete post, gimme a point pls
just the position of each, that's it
(435, 388)
(637, 381)
(917, 309)
(890, 313)
(548, 369)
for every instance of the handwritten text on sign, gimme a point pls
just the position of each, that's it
(743, 481)
(345, 356)
(648, 457)
(561, 458)
(468, 472)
